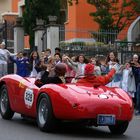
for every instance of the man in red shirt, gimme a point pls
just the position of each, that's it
(90, 78)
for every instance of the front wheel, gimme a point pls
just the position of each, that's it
(45, 117)
(5, 108)
(119, 128)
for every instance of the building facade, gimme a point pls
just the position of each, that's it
(79, 25)
(79, 22)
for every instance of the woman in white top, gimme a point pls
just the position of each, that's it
(112, 60)
(79, 65)
(34, 59)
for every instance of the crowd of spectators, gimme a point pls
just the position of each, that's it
(127, 75)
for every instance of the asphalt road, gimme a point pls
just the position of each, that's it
(18, 129)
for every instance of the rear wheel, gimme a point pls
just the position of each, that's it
(45, 117)
(119, 128)
(5, 109)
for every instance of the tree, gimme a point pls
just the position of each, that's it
(29, 21)
(136, 5)
(38, 9)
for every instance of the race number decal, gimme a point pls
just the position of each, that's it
(28, 97)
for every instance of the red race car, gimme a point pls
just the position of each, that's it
(98, 106)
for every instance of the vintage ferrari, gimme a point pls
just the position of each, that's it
(50, 103)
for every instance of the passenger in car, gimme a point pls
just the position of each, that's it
(90, 78)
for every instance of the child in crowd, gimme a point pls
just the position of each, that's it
(128, 80)
(22, 63)
(97, 69)
(34, 59)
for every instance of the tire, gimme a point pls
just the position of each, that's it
(45, 117)
(119, 128)
(5, 109)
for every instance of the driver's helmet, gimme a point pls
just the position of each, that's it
(60, 69)
(89, 69)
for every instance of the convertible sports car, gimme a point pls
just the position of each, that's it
(93, 105)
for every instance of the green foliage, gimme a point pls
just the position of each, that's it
(38, 9)
(43, 8)
(85, 47)
(29, 21)
(136, 6)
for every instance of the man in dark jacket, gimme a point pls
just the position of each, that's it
(57, 78)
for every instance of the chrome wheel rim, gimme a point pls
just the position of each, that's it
(4, 101)
(43, 112)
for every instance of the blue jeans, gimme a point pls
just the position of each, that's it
(138, 97)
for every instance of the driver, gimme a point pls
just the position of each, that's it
(57, 77)
(90, 78)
